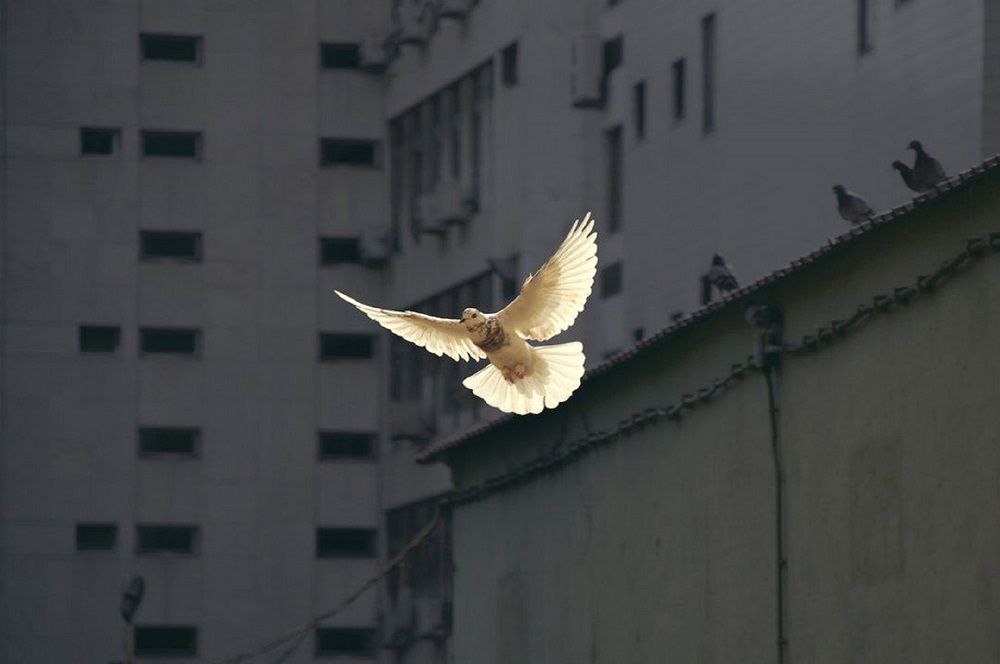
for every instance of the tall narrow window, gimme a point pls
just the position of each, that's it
(864, 26)
(173, 48)
(614, 157)
(94, 141)
(708, 73)
(434, 152)
(611, 280)
(176, 144)
(339, 56)
(508, 65)
(678, 87)
(475, 135)
(396, 165)
(612, 56)
(455, 131)
(345, 641)
(166, 641)
(415, 136)
(639, 109)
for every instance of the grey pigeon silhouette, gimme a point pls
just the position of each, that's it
(927, 171)
(909, 179)
(721, 275)
(852, 207)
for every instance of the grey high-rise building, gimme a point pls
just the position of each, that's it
(184, 182)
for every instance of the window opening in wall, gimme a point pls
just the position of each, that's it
(176, 245)
(99, 338)
(165, 641)
(345, 542)
(678, 88)
(173, 144)
(169, 441)
(348, 152)
(708, 73)
(173, 48)
(611, 280)
(639, 109)
(345, 641)
(95, 141)
(348, 445)
(864, 26)
(614, 184)
(508, 65)
(171, 341)
(337, 250)
(96, 536)
(165, 539)
(455, 131)
(339, 55)
(346, 346)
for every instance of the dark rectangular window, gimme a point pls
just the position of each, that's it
(864, 26)
(96, 536)
(639, 108)
(346, 346)
(615, 157)
(347, 152)
(174, 48)
(179, 144)
(99, 338)
(346, 445)
(166, 641)
(339, 56)
(179, 245)
(166, 539)
(611, 280)
(174, 441)
(508, 65)
(334, 250)
(455, 131)
(99, 141)
(679, 92)
(348, 641)
(612, 56)
(708, 73)
(177, 341)
(345, 542)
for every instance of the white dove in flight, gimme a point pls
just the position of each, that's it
(520, 378)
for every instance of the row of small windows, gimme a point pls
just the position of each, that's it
(187, 341)
(106, 141)
(172, 641)
(185, 539)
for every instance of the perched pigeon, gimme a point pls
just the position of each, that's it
(520, 378)
(909, 179)
(927, 171)
(852, 207)
(721, 275)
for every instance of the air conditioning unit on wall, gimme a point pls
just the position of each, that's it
(374, 55)
(376, 247)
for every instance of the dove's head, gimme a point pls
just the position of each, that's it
(472, 318)
(915, 145)
(899, 166)
(718, 260)
(839, 189)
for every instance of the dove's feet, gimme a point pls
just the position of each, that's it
(512, 375)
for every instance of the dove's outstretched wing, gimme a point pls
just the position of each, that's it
(441, 336)
(552, 298)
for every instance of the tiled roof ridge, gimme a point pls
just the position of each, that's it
(891, 215)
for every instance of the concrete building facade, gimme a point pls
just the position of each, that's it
(692, 503)
(184, 182)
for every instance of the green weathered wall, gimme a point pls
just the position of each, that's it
(661, 547)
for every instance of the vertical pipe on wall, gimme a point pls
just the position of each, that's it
(773, 403)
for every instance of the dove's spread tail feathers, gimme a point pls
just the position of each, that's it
(554, 375)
